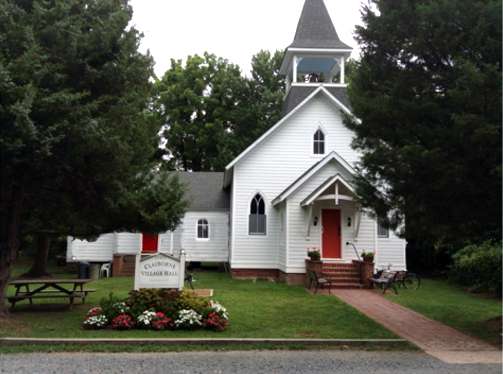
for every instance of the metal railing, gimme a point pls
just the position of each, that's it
(356, 250)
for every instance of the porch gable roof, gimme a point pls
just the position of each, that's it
(322, 187)
(310, 172)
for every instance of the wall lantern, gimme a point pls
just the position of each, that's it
(349, 221)
(315, 221)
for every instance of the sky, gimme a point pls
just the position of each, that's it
(232, 29)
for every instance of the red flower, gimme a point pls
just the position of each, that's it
(93, 312)
(161, 322)
(123, 322)
(215, 322)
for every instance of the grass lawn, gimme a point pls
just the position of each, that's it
(447, 303)
(259, 309)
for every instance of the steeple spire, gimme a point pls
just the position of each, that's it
(316, 57)
(316, 29)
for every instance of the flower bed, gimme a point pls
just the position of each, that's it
(157, 310)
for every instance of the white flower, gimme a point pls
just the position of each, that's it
(121, 307)
(146, 318)
(218, 308)
(96, 321)
(189, 318)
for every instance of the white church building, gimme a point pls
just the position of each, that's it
(289, 192)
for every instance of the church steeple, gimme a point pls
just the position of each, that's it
(317, 55)
(315, 28)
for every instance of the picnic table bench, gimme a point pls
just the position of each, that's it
(49, 289)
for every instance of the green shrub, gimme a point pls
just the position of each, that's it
(314, 255)
(161, 300)
(188, 300)
(368, 256)
(478, 267)
(112, 306)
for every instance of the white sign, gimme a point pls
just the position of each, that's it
(159, 271)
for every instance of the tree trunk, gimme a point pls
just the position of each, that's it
(9, 243)
(39, 266)
(4, 278)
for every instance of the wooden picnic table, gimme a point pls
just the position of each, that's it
(48, 289)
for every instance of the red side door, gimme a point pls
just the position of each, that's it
(331, 236)
(149, 243)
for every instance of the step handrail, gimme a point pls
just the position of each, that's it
(354, 248)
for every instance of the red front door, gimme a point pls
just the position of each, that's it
(331, 236)
(149, 243)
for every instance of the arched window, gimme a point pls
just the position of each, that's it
(257, 223)
(203, 229)
(319, 143)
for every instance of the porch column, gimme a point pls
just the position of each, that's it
(309, 219)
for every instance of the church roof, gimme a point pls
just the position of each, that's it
(316, 29)
(204, 191)
(297, 94)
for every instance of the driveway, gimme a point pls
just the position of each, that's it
(435, 338)
(348, 362)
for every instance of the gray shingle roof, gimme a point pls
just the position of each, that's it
(297, 94)
(204, 191)
(315, 28)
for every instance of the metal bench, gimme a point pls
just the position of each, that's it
(386, 280)
(318, 281)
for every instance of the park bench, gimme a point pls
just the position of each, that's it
(318, 281)
(386, 280)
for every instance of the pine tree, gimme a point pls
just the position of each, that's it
(77, 146)
(427, 93)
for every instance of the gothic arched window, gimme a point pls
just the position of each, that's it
(319, 143)
(257, 223)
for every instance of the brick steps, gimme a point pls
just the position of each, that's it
(338, 280)
(343, 276)
(348, 273)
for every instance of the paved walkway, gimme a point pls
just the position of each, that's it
(435, 338)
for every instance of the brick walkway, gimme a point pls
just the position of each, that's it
(434, 337)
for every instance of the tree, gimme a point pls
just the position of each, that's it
(427, 93)
(198, 102)
(263, 101)
(77, 145)
(212, 113)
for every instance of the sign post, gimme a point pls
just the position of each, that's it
(159, 270)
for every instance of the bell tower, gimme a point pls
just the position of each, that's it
(317, 56)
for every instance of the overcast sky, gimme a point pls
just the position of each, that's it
(233, 29)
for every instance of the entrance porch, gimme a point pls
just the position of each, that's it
(333, 222)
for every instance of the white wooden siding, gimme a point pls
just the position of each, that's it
(99, 250)
(273, 165)
(127, 243)
(282, 247)
(216, 249)
(391, 251)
